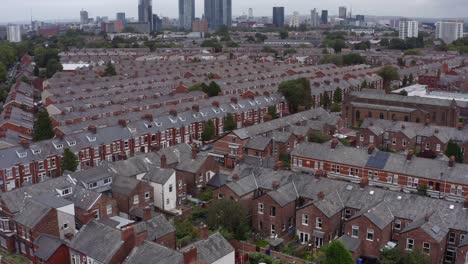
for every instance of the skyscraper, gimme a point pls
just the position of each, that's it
(218, 13)
(121, 17)
(186, 14)
(314, 18)
(449, 31)
(84, 17)
(145, 12)
(294, 23)
(278, 16)
(408, 29)
(14, 33)
(342, 12)
(324, 18)
(251, 13)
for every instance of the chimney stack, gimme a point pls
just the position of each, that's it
(234, 100)
(196, 108)
(321, 196)
(190, 255)
(215, 104)
(235, 177)
(173, 112)
(25, 143)
(92, 129)
(275, 185)
(364, 182)
(148, 117)
(127, 233)
(334, 143)
(451, 163)
(203, 230)
(410, 154)
(427, 122)
(465, 204)
(59, 134)
(163, 161)
(194, 152)
(122, 122)
(370, 149)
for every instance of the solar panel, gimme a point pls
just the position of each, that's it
(378, 161)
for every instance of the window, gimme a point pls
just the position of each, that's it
(147, 195)
(272, 211)
(460, 190)
(428, 146)
(66, 191)
(9, 173)
(397, 225)
(168, 201)
(355, 231)
(452, 237)
(409, 244)
(393, 141)
(305, 219)
(107, 180)
(318, 223)
(92, 185)
(438, 147)
(371, 139)
(41, 165)
(109, 209)
(426, 247)
(370, 234)
(404, 143)
(136, 199)
(361, 138)
(170, 187)
(347, 213)
(76, 259)
(180, 184)
(395, 179)
(65, 226)
(26, 169)
(410, 182)
(220, 196)
(260, 208)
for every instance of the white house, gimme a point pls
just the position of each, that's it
(163, 182)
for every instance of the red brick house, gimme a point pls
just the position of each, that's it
(131, 195)
(50, 250)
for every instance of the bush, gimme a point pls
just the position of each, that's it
(256, 258)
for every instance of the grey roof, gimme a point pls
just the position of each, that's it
(158, 175)
(47, 246)
(218, 180)
(282, 137)
(400, 99)
(154, 253)
(31, 214)
(350, 243)
(213, 248)
(285, 194)
(378, 214)
(158, 226)
(331, 204)
(124, 185)
(433, 224)
(98, 241)
(192, 165)
(258, 143)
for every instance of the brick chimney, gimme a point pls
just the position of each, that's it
(194, 152)
(190, 255)
(451, 162)
(364, 182)
(334, 143)
(122, 122)
(215, 104)
(275, 185)
(25, 143)
(203, 230)
(147, 213)
(426, 217)
(163, 161)
(127, 233)
(92, 129)
(410, 154)
(370, 149)
(235, 177)
(173, 112)
(196, 108)
(427, 122)
(59, 134)
(148, 117)
(321, 196)
(465, 204)
(234, 100)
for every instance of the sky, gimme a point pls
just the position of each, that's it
(20, 10)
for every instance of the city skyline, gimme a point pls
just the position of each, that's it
(48, 9)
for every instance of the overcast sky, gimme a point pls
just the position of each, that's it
(19, 10)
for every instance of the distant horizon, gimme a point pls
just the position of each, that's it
(59, 10)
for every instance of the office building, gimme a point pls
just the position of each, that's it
(294, 22)
(121, 17)
(186, 14)
(157, 23)
(218, 13)
(449, 31)
(324, 18)
(314, 18)
(145, 12)
(342, 12)
(278, 16)
(251, 16)
(360, 18)
(200, 25)
(3, 33)
(84, 18)
(14, 33)
(408, 29)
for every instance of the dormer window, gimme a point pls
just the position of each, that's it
(173, 121)
(223, 110)
(242, 106)
(181, 119)
(203, 114)
(21, 153)
(132, 129)
(66, 191)
(235, 107)
(196, 116)
(71, 143)
(91, 138)
(148, 125)
(92, 185)
(216, 111)
(58, 145)
(35, 150)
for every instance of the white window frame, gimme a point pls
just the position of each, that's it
(370, 232)
(305, 219)
(261, 208)
(409, 244)
(355, 228)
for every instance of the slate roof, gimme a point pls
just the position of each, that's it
(158, 175)
(258, 143)
(213, 248)
(351, 243)
(47, 246)
(98, 241)
(158, 226)
(124, 185)
(157, 254)
(432, 224)
(400, 99)
(32, 214)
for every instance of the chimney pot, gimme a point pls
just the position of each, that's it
(215, 104)
(196, 108)
(122, 122)
(163, 161)
(147, 213)
(234, 100)
(235, 177)
(465, 204)
(334, 143)
(321, 195)
(363, 182)
(92, 129)
(370, 149)
(410, 155)
(190, 255)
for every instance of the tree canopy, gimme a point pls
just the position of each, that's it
(335, 252)
(453, 149)
(43, 126)
(229, 217)
(388, 74)
(69, 160)
(229, 123)
(297, 92)
(110, 70)
(208, 131)
(3, 73)
(52, 67)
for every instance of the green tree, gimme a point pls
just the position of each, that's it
(212, 89)
(208, 131)
(352, 59)
(69, 160)
(403, 93)
(453, 149)
(284, 34)
(52, 67)
(325, 100)
(411, 79)
(390, 256)
(336, 252)
(3, 73)
(43, 126)
(36, 71)
(415, 257)
(229, 216)
(364, 85)
(388, 74)
(384, 42)
(110, 70)
(405, 81)
(339, 45)
(7, 54)
(297, 92)
(338, 95)
(229, 123)
(272, 112)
